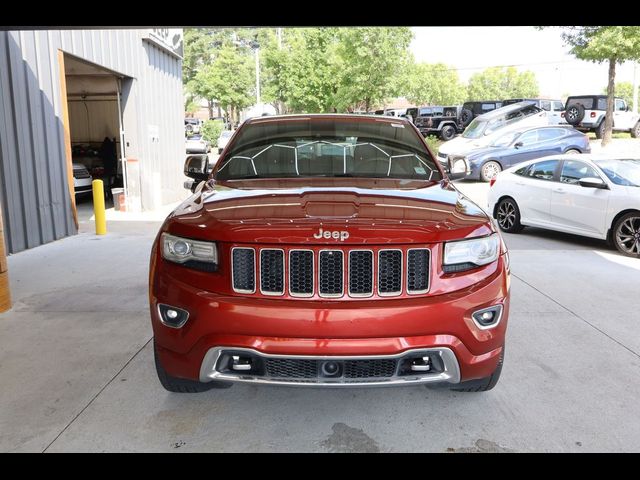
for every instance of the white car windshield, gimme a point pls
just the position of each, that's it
(621, 172)
(476, 128)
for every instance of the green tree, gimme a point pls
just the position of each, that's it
(304, 73)
(497, 83)
(211, 130)
(229, 79)
(434, 84)
(623, 90)
(372, 61)
(605, 44)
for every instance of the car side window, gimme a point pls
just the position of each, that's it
(529, 137)
(543, 170)
(545, 105)
(602, 104)
(558, 106)
(547, 134)
(620, 106)
(522, 170)
(573, 171)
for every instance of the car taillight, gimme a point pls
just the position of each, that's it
(593, 115)
(562, 114)
(492, 181)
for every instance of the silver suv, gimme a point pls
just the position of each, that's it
(586, 113)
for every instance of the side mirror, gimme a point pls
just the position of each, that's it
(518, 145)
(197, 167)
(592, 182)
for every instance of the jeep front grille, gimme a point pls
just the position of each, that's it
(331, 273)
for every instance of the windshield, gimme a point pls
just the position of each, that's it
(505, 140)
(327, 147)
(621, 172)
(195, 137)
(475, 129)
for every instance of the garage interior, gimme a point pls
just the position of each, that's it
(95, 126)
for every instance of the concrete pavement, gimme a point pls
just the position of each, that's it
(77, 374)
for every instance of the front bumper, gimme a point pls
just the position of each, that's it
(380, 327)
(443, 367)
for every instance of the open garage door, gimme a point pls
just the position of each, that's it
(96, 132)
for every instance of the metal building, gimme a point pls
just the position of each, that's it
(62, 87)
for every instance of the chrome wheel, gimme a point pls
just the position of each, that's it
(506, 215)
(490, 170)
(628, 236)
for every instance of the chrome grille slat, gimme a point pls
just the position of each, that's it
(243, 269)
(301, 273)
(389, 272)
(418, 270)
(331, 273)
(272, 271)
(360, 273)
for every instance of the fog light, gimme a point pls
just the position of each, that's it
(487, 317)
(172, 316)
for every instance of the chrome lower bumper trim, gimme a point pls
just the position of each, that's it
(450, 373)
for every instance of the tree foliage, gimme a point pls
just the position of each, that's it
(434, 84)
(372, 59)
(612, 44)
(497, 83)
(623, 90)
(229, 80)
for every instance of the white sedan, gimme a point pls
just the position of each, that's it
(581, 194)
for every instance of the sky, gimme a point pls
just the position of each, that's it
(472, 49)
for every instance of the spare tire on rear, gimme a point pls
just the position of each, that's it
(466, 116)
(574, 114)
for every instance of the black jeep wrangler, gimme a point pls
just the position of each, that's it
(441, 121)
(471, 110)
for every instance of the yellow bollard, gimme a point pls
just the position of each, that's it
(98, 207)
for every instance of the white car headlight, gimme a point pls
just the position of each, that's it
(204, 255)
(458, 165)
(467, 254)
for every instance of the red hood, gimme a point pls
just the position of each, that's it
(294, 215)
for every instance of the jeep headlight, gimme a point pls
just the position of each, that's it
(194, 253)
(467, 254)
(458, 165)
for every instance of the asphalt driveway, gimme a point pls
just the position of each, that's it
(77, 374)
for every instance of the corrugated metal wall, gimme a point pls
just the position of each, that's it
(35, 199)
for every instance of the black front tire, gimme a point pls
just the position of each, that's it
(508, 216)
(482, 384)
(635, 131)
(182, 385)
(448, 132)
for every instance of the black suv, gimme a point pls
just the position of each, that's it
(471, 110)
(441, 121)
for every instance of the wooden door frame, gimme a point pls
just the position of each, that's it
(67, 136)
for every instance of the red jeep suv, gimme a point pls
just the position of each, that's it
(327, 250)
